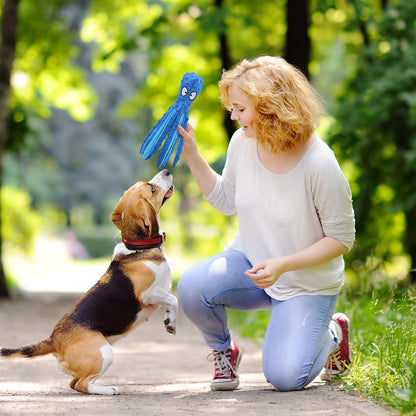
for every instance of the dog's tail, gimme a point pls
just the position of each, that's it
(41, 348)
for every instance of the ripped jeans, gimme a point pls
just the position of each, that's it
(297, 341)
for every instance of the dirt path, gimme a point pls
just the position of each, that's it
(159, 374)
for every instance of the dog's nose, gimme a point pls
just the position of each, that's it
(165, 172)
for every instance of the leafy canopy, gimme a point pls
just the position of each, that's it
(376, 128)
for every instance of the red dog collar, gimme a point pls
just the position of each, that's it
(145, 244)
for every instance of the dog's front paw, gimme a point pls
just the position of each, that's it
(170, 326)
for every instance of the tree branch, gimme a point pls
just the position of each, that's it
(7, 53)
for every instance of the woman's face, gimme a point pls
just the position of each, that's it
(242, 111)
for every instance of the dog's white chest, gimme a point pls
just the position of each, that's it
(162, 274)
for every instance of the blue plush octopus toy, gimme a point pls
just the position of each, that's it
(166, 127)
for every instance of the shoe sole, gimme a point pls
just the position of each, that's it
(225, 385)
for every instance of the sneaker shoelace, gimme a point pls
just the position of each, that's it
(334, 363)
(222, 363)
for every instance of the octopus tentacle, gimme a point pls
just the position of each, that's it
(179, 147)
(170, 141)
(158, 133)
(178, 151)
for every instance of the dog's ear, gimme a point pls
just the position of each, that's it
(147, 224)
(136, 223)
(117, 215)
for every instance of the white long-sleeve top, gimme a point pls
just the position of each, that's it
(280, 214)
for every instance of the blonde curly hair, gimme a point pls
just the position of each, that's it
(286, 105)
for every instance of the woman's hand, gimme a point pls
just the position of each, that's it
(203, 174)
(266, 273)
(189, 142)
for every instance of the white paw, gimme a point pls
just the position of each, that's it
(104, 390)
(170, 326)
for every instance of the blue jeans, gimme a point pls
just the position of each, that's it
(297, 341)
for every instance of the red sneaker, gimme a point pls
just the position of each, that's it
(225, 368)
(340, 359)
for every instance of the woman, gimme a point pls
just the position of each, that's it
(295, 223)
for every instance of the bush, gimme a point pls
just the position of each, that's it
(98, 241)
(20, 222)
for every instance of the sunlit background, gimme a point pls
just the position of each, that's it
(91, 78)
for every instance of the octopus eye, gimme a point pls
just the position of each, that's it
(192, 95)
(184, 91)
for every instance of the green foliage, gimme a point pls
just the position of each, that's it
(45, 74)
(133, 18)
(193, 228)
(98, 241)
(252, 324)
(18, 130)
(376, 130)
(152, 26)
(337, 39)
(19, 222)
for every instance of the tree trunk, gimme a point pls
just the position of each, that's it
(410, 240)
(226, 64)
(7, 52)
(298, 43)
(362, 26)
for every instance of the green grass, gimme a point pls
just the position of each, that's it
(383, 341)
(383, 338)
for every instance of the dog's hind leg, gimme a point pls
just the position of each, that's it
(87, 384)
(73, 382)
(107, 354)
(86, 361)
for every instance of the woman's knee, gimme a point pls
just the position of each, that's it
(285, 377)
(203, 280)
(188, 289)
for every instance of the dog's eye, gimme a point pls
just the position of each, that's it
(153, 188)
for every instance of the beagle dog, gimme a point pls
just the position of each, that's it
(135, 285)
